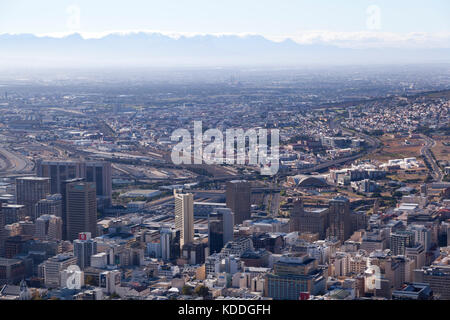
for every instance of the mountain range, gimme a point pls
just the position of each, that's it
(156, 49)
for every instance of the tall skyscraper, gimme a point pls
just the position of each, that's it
(311, 221)
(64, 185)
(81, 209)
(51, 205)
(165, 240)
(238, 193)
(296, 214)
(170, 243)
(2, 231)
(29, 191)
(422, 235)
(339, 223)
(401, 240)
(184, 216)
(98, 172)
(48, 227)
(83, 248)
(59, 171)
(220, 229)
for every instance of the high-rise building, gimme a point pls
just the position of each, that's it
(13, 212)
(109, 281)
(448, 236)
(401, 240)
(184, 216)
(98, 172)
(30, 190)
(238, 198)
(296, 214)
(220, 229)
(59, 171)
(165, 238)
(438, 277)
(311, 221)
(81, 209)
(64, 185)
(15, 244)
(51, 205)
(83, 248)
(293, 276)
(195, 252)
(48, 227)
(12, 270)
(53, 267)
(237, 247)
(2, 231)
(339, 223)
(170, 243)
(422, 235)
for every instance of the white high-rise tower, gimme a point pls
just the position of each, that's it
(184, 216)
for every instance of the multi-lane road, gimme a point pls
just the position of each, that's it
(12, 163)
(425, 151)
(373, 145)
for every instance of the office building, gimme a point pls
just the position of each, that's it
(220, 229)
(2, 231)
(170, 243)
(83, 249)
(53, 267)
(109, 281)
(59, 171)
(51, 205)
(438, 278)
(13, 212)
(413, 291)
(48, 227)
(29, 191)
(194, 253)
(14, 245)
(98, 172)
(238, 198)
(339, 223)
(401, 240)
(237, 247)
(422, 235)
(184, 216)
(293, 276)
(11, 270)
(272, 242)
(312, 221)
(81, 209)
(64, 185)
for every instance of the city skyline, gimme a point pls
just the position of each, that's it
(245, 155)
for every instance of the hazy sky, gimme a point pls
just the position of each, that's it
(366, 24)
(266, 17)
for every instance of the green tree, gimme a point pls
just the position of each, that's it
(186, 290)
(202, 291)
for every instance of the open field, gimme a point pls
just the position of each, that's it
(396, 148)
(442, 148)
(413, 179)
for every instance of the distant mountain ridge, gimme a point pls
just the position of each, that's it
(156, 49)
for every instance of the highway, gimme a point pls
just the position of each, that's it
(373, 143)
(425, 151)
(12, 163)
